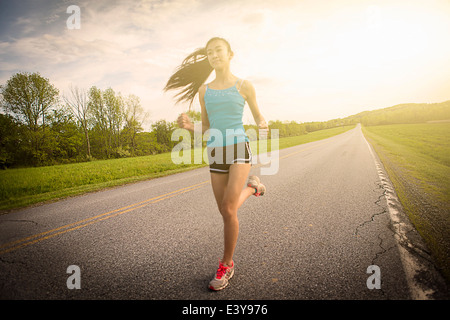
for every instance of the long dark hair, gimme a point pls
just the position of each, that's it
(192, 73)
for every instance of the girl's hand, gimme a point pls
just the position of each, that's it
(184, 122)
(263, 130)
(263, 125)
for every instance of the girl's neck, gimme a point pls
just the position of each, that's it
(224, 76)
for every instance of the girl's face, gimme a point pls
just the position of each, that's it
(218, 54)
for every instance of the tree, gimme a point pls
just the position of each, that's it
(99, 120)
(134, 118)
(9, 141)
(115, 115)
(65, 139)
(29, 97)
(107, 116)
(77, 102)
(163, 133)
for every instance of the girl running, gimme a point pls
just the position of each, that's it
(222, 103)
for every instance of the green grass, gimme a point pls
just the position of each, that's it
(421, 149)
(313, 136)
(27, 186)
(417, 160)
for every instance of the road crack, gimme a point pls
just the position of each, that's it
(382, 212)
(372, 218)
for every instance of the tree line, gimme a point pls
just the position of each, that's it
(39, 126)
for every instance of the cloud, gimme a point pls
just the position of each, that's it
(300, 55)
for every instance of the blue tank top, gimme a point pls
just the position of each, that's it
(225, 109)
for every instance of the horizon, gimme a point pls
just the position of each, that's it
(334, 60)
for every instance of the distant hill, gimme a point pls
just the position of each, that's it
(402, 113)
(399, 114)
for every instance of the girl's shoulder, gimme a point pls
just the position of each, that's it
(246, 82)
(202, 89)
(246, 88)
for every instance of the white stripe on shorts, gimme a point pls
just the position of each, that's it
(219, 170)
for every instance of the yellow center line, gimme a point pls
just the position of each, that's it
(15, 245)
(97, 218)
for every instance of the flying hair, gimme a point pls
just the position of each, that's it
(192, 74)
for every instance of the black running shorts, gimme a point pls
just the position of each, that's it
(221, 158)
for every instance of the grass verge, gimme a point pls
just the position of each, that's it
(417, 160)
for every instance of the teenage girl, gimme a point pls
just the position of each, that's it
(222, 103)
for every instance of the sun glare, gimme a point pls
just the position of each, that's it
(356, 46)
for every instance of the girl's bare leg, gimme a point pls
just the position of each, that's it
(233, 197)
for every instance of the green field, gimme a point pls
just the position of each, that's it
(28, 186)
(417, 160)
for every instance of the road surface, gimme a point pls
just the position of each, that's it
(324, 221)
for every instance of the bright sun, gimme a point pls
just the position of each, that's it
(354, 47)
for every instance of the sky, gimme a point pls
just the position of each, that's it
(309, 60)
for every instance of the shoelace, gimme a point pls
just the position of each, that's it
(221, 271)
(257, 193)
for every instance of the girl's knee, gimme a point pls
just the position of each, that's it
(228, 209)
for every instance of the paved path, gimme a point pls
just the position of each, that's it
(322, 223)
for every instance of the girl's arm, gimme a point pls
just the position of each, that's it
(249, 93)
(184, 121)
(205, 120)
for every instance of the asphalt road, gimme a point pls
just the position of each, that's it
(323, 222)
